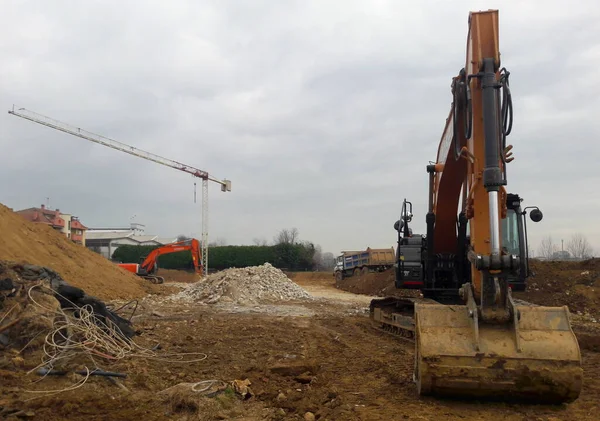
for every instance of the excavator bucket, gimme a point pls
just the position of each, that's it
(537, 360)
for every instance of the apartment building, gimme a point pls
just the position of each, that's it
(66, 223)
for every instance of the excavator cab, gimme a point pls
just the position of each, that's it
(513, 231)
(411, 253)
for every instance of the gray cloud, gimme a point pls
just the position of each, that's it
(323, 114)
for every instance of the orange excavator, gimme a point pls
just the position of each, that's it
(472, 339)
(149, 266)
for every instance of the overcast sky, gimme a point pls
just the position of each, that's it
(323, 114)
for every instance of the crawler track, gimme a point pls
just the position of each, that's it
(155, 279)
(396, 315)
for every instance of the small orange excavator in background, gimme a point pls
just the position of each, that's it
(149, 266)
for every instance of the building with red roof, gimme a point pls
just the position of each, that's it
(68, 224)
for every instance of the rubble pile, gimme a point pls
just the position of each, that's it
(250, 285)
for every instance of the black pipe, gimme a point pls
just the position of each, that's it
(492, 174)
(430, 220)
(462, 248)
(405, 219)
(44, 371)
(526, 238)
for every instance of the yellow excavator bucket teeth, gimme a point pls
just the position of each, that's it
(539, 360)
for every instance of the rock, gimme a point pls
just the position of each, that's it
(304, 378)
(309, 416)
(294, 369)
(245, 286)
(18, 361)
(23, 414)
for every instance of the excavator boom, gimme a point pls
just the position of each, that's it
(148, 267)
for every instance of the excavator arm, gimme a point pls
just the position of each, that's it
(488, 346)
(148, 267)
(150, 262)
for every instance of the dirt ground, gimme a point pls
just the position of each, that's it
(380, 284)
(324, 357)
(574, 284)
(172, 275)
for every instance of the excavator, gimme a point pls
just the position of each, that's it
(149, 266)
(472, 339)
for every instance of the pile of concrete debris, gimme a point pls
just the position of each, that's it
(244, 286)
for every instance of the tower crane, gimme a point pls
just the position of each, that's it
(195, 172)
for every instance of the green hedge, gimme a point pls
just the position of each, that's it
(136, 254)
(283, 256)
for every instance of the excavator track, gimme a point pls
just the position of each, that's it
(396, 315)
(155, 279)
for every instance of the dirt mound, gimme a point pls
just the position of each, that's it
(175, 275)
(23, 241)
(574, 284)
(375, 283)
(250, 285)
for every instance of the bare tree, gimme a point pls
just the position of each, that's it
(547, 248)
(579, 246)
(260, 241)
(328, 260)
(218, 242)
(318, 257)
(182, 237)
(287, 236)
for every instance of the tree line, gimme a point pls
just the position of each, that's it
(576, 248)
(287, 253)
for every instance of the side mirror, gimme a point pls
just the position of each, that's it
(536, 215)
(397, 225)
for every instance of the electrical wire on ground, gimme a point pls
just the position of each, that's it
(79, 332)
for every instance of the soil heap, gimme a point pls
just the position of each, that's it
(379, 284)
(553, 283)
(250, 285)
(27, 242)
(571, 283)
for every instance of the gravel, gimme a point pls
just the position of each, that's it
(244, 286)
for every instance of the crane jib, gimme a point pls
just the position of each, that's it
(131, 150)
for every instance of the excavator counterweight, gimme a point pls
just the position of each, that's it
(472, 339)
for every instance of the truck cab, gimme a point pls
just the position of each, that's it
(339, 266)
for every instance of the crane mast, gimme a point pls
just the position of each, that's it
(92, 137)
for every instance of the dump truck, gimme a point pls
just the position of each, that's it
(472, 339)
(355, 263)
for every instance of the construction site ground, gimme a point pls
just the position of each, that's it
(322, 358)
